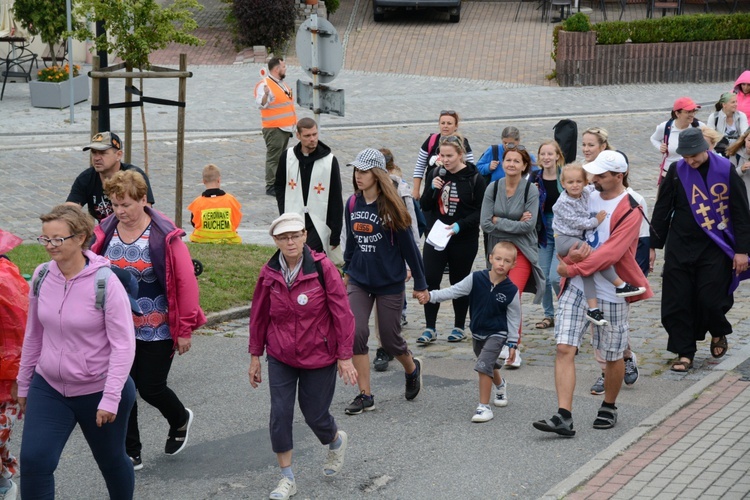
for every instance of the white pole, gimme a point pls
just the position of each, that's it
(68, 9)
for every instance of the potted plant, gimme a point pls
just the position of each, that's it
(51, 89)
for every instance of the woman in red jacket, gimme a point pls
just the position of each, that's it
(300, 317)
(148, 245)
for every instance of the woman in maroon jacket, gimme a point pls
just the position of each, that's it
(301, 318)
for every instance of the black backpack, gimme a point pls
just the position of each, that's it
(566, 135)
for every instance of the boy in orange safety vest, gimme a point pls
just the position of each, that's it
(215, 215)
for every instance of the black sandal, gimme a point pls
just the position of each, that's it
(719, 346)
(681, 366)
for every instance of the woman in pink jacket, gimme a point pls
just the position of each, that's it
(147, 243)
(76, 356)
(301, 318)
(742, 89)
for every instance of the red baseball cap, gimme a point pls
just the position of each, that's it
(685, 103)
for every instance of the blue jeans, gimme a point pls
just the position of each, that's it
(50, 419)
(548, 262)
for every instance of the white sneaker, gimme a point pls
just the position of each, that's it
(284, 490)
(504, 352)
(483, 414)
(516, 362)
(335, 458)
(501, 395)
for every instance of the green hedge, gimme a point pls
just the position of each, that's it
(693, 28)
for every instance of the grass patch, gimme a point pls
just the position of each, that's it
(230, 272)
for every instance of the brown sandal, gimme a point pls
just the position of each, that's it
(545, 323)
(681, 366)
(719, 346)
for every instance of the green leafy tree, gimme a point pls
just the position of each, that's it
(135, 29)
(44, 18)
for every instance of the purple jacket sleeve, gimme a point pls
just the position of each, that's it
(260, 316)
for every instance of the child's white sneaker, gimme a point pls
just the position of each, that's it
(483, 414)
(501, 395)
(504, 352)
(516, 362)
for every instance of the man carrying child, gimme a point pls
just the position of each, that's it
(615, 242)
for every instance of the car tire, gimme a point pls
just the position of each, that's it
(456, 17)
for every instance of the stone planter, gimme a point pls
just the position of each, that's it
(580, 61)
(57, 95)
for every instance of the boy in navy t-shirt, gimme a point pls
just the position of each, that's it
(495, 308)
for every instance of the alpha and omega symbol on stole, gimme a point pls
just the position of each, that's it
(719, 194)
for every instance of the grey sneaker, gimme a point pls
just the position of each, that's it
(501, 395)
(557, 424)
(631, 370)
(598, 388)
(361, 403)
(137, 462)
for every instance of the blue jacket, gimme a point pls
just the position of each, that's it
(483, 165)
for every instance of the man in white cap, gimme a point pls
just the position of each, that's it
(615, 241)
(702, 210)
(106, 161)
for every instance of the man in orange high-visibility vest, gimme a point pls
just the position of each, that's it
(276, 103)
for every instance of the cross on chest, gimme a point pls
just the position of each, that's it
(319, 188)
(703, 210)
(292, 184)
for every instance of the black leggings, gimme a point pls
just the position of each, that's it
(459, 255)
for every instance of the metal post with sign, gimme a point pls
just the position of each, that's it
(321, 56)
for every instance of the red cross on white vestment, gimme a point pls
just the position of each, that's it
(292, 184)
(319, 188)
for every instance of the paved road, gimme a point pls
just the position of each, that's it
(420, 449)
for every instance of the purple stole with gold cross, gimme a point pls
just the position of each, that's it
(709, 203)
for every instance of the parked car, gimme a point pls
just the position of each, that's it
(453, 7)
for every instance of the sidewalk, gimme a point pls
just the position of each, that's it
(702, 451)
(696, 446)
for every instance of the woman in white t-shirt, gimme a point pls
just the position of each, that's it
(727, 120)
(683, 116)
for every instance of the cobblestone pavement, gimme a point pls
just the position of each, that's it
(701, 452)
(38, 175)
